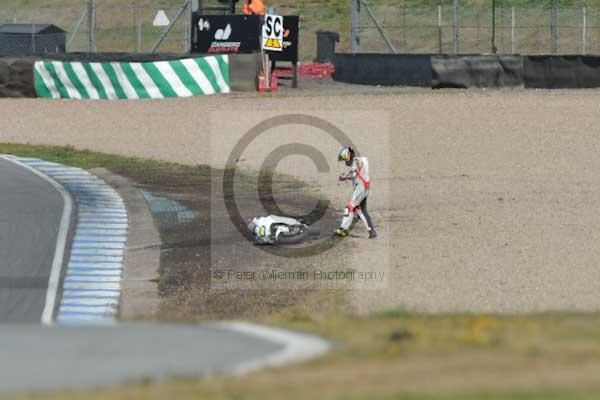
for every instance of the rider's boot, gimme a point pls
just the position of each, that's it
(341, 232)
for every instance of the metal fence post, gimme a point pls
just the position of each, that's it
(553, 24)
(494, 48)
(355, 26)
(138, 30)
(188, 27)
(455, 32)
(513, 36)
(90, 15)
(584, 30)
(440, 49)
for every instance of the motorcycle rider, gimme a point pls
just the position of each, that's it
(359, 174)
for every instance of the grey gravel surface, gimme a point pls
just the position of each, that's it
(493, 196)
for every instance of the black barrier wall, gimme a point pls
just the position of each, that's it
(561, 72)
(482, 71)
(436, 71)
(383, 69)
(469, 70)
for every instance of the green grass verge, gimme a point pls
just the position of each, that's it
(77, 158)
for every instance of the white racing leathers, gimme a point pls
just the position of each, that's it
(359, 173)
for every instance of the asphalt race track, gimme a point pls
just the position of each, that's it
(30, 215)
(39, 358)
(52, 358)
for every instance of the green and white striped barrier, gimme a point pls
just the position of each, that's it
(132, 80)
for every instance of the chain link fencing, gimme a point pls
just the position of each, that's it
(446, 29)
(116, 26)
(35, 38)
(127, 26)
(19, 44)
(130, 27)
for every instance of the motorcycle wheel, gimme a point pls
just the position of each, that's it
(294, 239)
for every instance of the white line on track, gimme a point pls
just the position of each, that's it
(296, 346)
(61, 241)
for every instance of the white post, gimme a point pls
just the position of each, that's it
(584, 31)
(90, 15)
(513, 37)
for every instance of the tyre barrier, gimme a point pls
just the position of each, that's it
(469, 70)
(126, 76)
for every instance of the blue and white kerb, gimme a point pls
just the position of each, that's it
(92, 282)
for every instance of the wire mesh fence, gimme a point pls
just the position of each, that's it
(116, 26)
(37, 14)
(23, 44)
(131, 27)
(444, 29)
(128, 25)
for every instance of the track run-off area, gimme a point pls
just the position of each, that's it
(493, 194)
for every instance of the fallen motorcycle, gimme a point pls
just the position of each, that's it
(273, 229)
